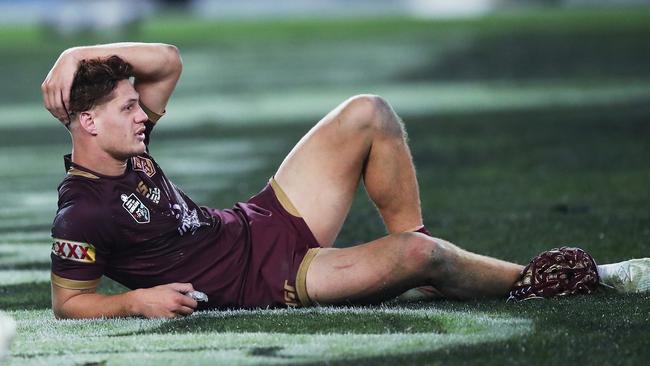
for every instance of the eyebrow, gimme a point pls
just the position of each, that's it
(130, 101)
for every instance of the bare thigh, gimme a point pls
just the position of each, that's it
(322, 172)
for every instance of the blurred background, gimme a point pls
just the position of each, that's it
(288, 60)
(528, 122)
(528, 108)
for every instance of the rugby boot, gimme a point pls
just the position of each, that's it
(631, 276)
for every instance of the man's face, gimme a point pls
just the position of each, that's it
(120, 123)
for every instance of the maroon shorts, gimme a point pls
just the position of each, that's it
(282, 248)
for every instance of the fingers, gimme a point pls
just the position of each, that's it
(184, 301)
(65, 95)
(65, 115)
(184, 311)
(46, 100)
(59, 108)
(53, 100)
(178, 312)
(182, 287)
(188, 301)
(56, 108)
(58, 98)
(184, 305)
(57, 85)
(65, 102)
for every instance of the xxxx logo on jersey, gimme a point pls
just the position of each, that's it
(73, 250)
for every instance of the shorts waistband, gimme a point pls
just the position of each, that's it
(283, 198)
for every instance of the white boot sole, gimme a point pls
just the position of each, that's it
(631, 276)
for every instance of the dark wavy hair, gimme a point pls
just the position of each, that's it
(95, 80)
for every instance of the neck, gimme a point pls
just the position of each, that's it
(96, 159)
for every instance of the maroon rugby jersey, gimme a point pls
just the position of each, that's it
(140, 230)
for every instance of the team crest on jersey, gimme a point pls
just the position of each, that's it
(73, 250)
(152, 194)
(189, 219)
(136, 208)
(144, 165)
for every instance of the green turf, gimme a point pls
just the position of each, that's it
(253, 337)
(542, 143)
(493, 183)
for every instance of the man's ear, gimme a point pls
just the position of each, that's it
(87, 122)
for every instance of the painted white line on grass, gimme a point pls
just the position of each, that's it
(26, 223)
(24, 253)
(25, 237)
(19, 277)
(40, 338)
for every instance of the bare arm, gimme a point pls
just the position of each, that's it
(165, 301)
(157, 68)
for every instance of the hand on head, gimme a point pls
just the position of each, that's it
(57, 84)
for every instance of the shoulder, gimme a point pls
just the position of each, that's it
(78, 215)
(81, 188)
(83, 225)
(81, 204)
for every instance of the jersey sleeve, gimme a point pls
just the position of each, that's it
(80, 248)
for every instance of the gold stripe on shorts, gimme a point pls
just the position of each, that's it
(74, 284)
(301, 277)
(283, 198)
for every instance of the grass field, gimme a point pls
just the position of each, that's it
(529, 131)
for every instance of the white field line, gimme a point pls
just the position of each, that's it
(23, 236)
(24, 253)
(43, 340)
(18, 223)
(19, 277)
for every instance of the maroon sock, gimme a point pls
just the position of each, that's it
(423, 230)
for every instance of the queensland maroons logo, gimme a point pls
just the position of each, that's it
(73, 250)
(135, 208)
(144, 165)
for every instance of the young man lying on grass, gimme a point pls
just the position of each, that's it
(120, 216)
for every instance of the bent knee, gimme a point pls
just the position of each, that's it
(371, 112)
(427, 253)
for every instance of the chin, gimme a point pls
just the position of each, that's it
(125, 155)
(139, 150)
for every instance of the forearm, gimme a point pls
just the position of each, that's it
(93, 305)
(150, 61)
(164, 301)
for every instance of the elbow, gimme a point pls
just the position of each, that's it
(62, 312)
(173, 59)
(59, 314)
